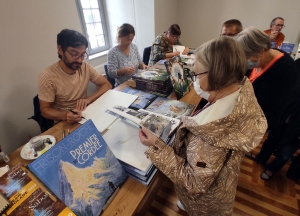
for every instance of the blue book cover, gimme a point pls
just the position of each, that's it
(81, 170)
(143, 100)
(287, 47)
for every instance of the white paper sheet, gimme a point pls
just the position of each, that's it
(123, 140)
(96, 110)
(181, 48)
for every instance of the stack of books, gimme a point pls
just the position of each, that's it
(28, 196)
(155, 81)
(126, 144)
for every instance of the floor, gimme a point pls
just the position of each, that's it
(254, 196)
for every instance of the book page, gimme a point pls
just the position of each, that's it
(154, 122)
(179, 48)
(96, 110)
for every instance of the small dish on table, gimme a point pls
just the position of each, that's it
(28, 153)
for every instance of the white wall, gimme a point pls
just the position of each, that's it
(138, 13)
(166, 14)
(28, 42)
(202, 19)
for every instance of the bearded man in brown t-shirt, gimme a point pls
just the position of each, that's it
(63, 85)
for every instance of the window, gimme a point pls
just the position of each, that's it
(91, 14)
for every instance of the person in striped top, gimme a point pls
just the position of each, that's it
(63, 85)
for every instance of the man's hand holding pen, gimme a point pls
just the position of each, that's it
(73, 115)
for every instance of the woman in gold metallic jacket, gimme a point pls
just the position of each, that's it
(204, 159)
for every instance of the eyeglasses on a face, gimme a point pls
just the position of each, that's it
(194, 75)
(279, 25)
(76, 56)
(229, 35)
(175, 36)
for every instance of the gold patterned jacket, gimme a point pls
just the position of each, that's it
(204, 161)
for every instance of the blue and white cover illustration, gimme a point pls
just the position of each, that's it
(81, 170)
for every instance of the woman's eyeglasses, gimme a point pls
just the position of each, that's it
(194, 75)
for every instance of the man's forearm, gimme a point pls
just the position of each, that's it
(54, 114)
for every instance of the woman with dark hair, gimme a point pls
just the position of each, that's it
(162, 47)
(204, 159)
(275, 80)
(124, 59)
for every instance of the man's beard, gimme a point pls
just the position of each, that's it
(73, 65)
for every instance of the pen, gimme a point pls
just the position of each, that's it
(74, 112)
(68, 131)
(63, 133)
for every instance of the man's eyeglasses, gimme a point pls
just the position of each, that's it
(279, 25)
(76, 56)
(229, 35)
(194, 75)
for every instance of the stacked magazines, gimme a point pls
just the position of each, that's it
(126, 145)
(155, 81)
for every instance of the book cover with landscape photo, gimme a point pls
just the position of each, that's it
(81, 170)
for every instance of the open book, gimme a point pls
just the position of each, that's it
(180, 48)
(160, 125)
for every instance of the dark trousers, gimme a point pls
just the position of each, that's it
(286, 140)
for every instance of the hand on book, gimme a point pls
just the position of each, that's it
(177, 53)
(146, 137)
(186, 51)
(81, 104)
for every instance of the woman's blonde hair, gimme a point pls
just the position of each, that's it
(253, 41)
(224, 60)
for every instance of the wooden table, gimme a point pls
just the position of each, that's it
(132, 195)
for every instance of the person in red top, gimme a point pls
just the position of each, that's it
(276, 84)
(276, 25)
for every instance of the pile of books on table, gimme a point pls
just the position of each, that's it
(126, 144)
(155, 81)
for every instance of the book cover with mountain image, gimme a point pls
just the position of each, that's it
(81, 170)
(143, 100)
(178, 77)
(171, 108)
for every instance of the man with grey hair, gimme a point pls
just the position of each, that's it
(276, 25)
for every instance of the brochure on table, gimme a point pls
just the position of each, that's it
(96, 110)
